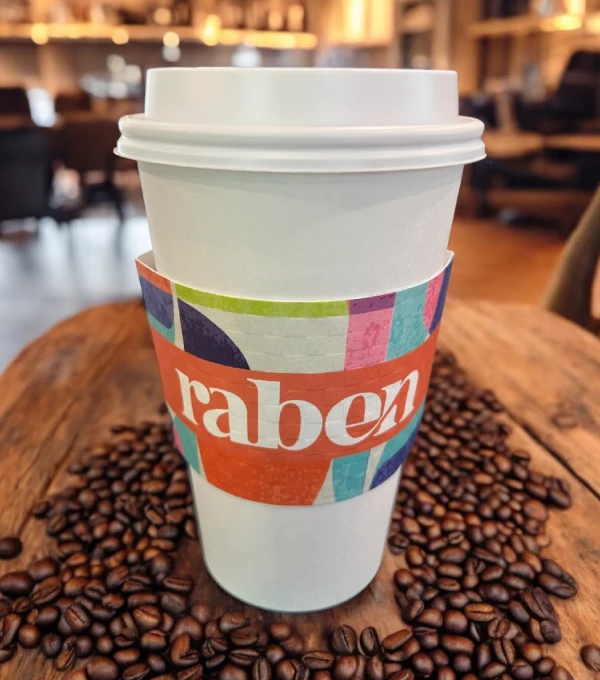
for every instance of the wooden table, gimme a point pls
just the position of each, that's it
(65, 390)
(512, 144)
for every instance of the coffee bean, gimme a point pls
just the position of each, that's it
(78, 618)
(446, 673)
(105, 644)
(10, 547)
(550, 630)
(557, 587)
(261, 669)
(9, 628)
(147, 617)
(396, 640)
(29, 636)
(480, 612)
(455, 622)
(504, 651)
(412, 610)
(537, 603)
(343, 640)
(193, 673)
(7, 654)
(545, 665)
(173, 603)
(374, 668)
(5, 608)
(243, 657)
(590, 655)
(178, 583)
(66, 657)
(274, 654)
(561, 673)
(46, 616)
(404, 674)
(182, 653)
(345, 668)
(294, 645)
(51, 645)
(16, 583)
(102, 668)
(423, 664)
(43, 569)
(456, 644)
(495, 592)
(318, 660)
(47, 591)
(518, 611)
(493, 670)
(369, 642)
(155, 662)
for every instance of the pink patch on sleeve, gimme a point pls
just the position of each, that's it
(431, 299)
(368, 336)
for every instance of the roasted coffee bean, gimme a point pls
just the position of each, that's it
(16, 583)
(232, 621)
(147, 617)
(29, 636)
(423, 664)
(21, 605)
(294, 645)
(102, 668)
(7, 654)
(404, 674)
(504, 651)
(521, 670)
(215, 662)
(243, 657)
(46, 616)
(495, 592)
(345, 667)
(518, 612)
(374, 668)
(155, 662)
(537, 603)
(369, 641)
(10, 547)
(393, 642)
(51, 645)
(105, 644)
(261, 669)
(66, 656)
(590, 655)
(193, 673)
(343, 640)
(493, 670)
(78, 618)
(9, 628)
(446, 673)
(182, 654)
(178, 583)
(5, 608)
(545, 665)
(173, 603)
(561, 673)
(550, 630)
(456, 644)
(318, 660)
(480, 612)
(455, 622)
(413, 609)
(127, 657)
(274, 654)
(557, 587)
(47, 591)
(231, 672)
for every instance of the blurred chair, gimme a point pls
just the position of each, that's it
(571, 289)
(86, 142)
(14, 102)
(68, 102)
(25, 174)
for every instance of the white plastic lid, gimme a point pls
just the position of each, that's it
(301, 120)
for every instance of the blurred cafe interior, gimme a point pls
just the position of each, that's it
(71, 213)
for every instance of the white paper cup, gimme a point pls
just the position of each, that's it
(299, 184)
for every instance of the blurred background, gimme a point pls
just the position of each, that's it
(71, 214)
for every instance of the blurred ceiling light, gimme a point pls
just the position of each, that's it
(211, 30)
(39, 34)
(162, 16)
(171, 53)
(170, 39)
(355, 19)
(115, 63)
(120, 36)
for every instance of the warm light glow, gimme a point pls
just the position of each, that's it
(171, 39)
(212, 29)
(39, 34)
(355, 20)
(120, 36)
(162, 16)
(275, 21)
(563, 22)
(592, 23)
(576, 7)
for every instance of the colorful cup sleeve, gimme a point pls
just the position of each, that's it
(294, 403)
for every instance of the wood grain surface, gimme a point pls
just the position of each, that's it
(64, 391)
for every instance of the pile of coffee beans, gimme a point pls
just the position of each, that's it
(469, 519)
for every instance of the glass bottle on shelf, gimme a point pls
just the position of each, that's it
(296, 20)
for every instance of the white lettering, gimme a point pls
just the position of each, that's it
(237, 414)
(269, 417)
(336, 424)
(186, 385)
(390, 408)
